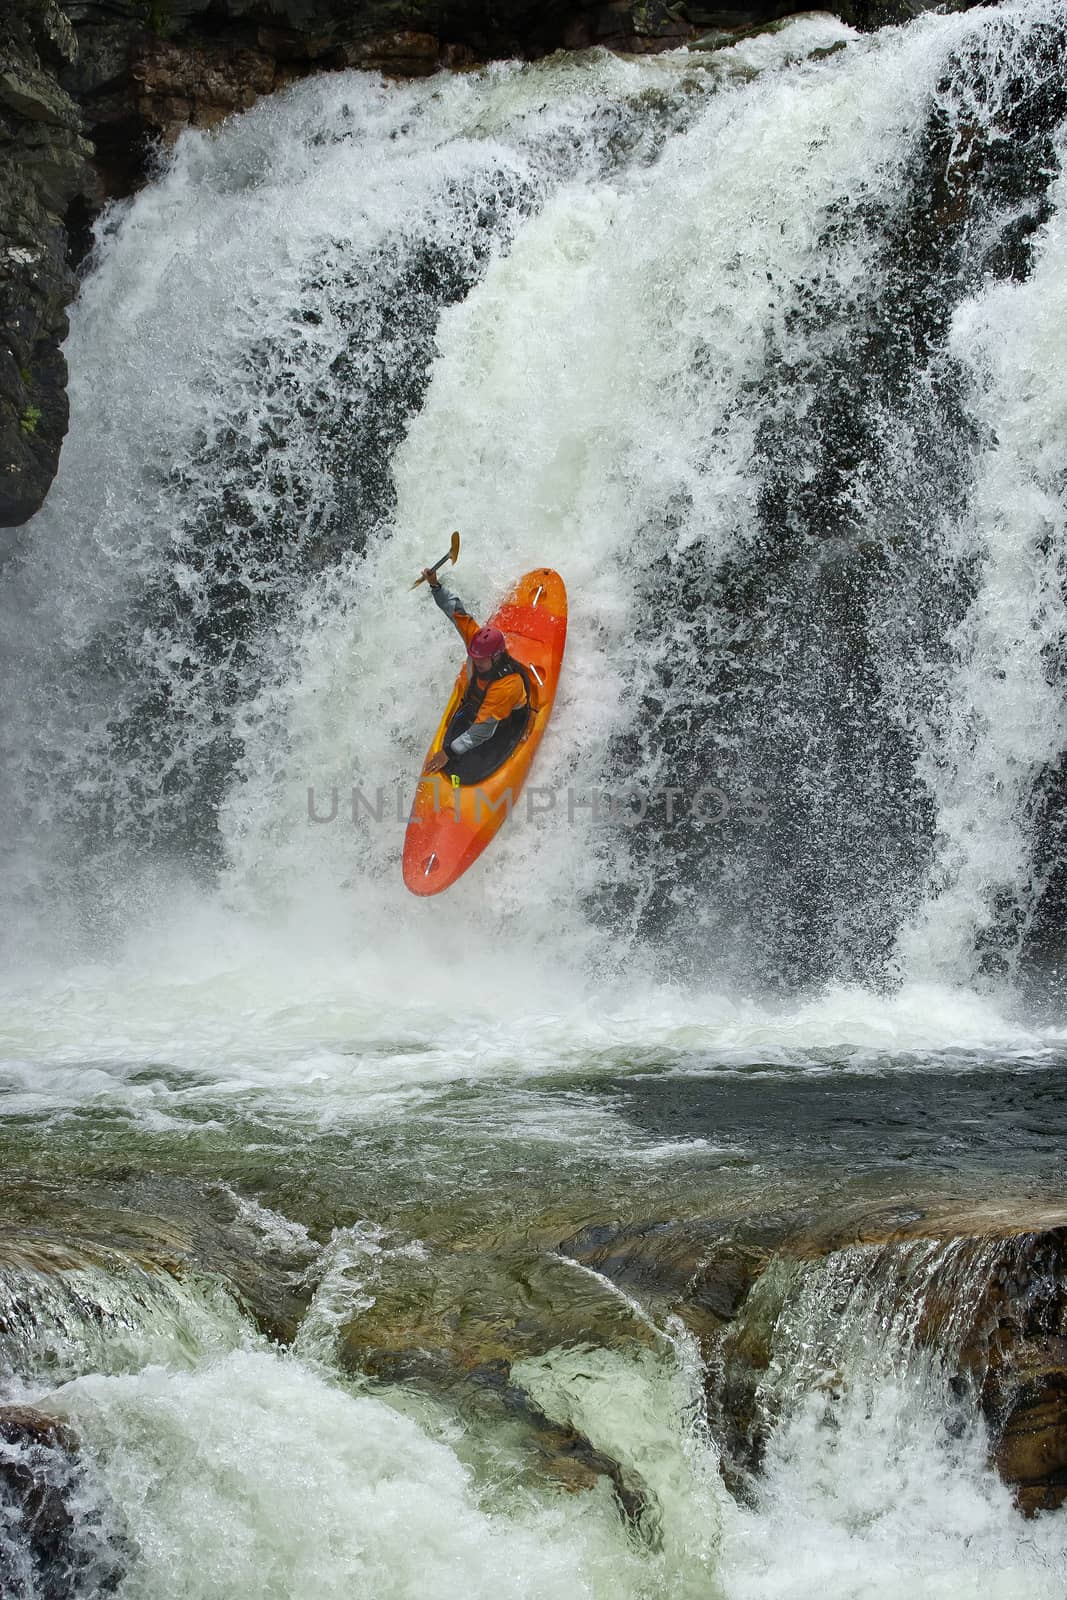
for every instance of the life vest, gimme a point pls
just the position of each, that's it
(478, 688)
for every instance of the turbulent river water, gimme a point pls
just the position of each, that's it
(763, 348)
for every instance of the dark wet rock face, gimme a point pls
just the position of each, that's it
(1016, 1353)
(43, 170)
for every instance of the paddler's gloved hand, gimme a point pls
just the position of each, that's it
(436, 763)
(431, 577)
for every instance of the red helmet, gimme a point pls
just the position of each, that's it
(486, 642)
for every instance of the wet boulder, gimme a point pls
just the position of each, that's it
(698, 1269)
(983, 1286)
(43, 169)
(1015, 1352)
(48, 1550)
(453, 1324)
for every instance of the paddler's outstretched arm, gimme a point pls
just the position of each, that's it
(453, 607)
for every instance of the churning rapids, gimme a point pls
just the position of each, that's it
(764, 348)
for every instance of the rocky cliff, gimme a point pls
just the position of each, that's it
(44, 168)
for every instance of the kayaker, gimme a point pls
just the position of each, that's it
(496, 704)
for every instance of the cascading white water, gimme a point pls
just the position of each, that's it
(241, 332)
(1004, 715)
(562, 419)
(874, 1473)
(261, 323)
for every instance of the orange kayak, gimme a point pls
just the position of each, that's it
(450, 826)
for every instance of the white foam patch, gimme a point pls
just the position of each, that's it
(334, 1037)
(212, 1009)
(874, 1498)
(295, 1486)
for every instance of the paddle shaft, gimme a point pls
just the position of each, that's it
(451, 555)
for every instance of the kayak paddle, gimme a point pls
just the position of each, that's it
(453, 556)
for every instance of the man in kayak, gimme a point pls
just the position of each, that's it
(493, 713)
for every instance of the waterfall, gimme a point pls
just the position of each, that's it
(874, 1462)
(996, 737)
(753, 345)
(257, 330)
